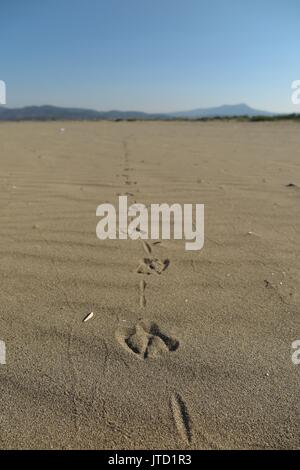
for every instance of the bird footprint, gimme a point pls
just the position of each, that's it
(147, 340)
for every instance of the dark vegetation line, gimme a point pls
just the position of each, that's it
(283, 117)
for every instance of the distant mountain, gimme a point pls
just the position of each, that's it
(226, 110)
(47, 113)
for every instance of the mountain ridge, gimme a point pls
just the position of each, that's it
(240, 109)
(50, 112)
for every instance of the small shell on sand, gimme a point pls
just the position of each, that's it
(88, 317)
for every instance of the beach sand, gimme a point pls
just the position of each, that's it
(217, 324)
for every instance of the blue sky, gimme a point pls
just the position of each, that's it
(152, 55)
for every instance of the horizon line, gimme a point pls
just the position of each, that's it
(142, 111)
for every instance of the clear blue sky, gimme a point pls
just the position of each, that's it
(152, 55)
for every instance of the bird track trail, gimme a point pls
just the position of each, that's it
(145, 339)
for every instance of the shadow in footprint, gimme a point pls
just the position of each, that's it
(154, 330)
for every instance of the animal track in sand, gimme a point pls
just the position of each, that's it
(147, 248)
(147, 340)
(127, 168)
(181, 417)
(152, 265)
(142, 293)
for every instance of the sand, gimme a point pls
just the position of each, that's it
(197, 357)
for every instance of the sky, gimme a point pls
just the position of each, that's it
(150, 55)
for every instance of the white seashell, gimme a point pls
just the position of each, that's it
(88, 317)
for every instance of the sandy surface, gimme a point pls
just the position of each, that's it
(221, 321)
